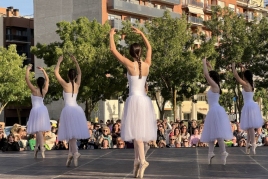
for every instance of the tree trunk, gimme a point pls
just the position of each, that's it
(18, 113)
(86, 111)
(175, 103)
(2, 107)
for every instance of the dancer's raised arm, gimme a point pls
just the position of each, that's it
(29, 84)
(237, 77)
(79, 73)
(212, 83)
(45, 88)
(113, 49)
(57, 74)
(148, 46)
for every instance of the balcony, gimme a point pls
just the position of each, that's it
(186, 3)
(136, 9)
(171, 2)
(195, 20)
(243, 3)
(10, 37)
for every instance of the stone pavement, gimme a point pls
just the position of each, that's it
(186, 163)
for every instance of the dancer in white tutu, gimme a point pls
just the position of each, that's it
(138, 122)
(73, 122)
(39, 120)
(251, 114)
(217, 125)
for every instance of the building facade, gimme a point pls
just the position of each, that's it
(48, 13)
(18, 30)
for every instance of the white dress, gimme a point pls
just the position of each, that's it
(217, 124)
(39, 120)
(139, 121)
(73, 122)
(251, 114)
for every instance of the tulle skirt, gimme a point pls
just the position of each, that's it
(39, 120)
(73, 124)
(139, 121)
(251, 116)
(217, 125)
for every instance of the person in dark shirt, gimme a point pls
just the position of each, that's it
(11, 145)
(2, 140)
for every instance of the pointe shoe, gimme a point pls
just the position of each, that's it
(210, 157)
(69, 159)
(248, 148)
(35, 152)
(224, 155)
(76, 157)
(142, 168)
(136, 169)
(254, 148)
(43, 152)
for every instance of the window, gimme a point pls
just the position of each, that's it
(232, 7)
(8, 31)
(221, 4)
(113, 16)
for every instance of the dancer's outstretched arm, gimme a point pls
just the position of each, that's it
(79, 73)
(237, 77)
(29, 84)
(57, 74)
(46, 79)
(212, 83)
(126, 62)
(148, 59)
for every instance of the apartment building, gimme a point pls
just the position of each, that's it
(18, 30)
(48, 13)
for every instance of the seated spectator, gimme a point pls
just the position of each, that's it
(152, 144)
(195, 138)
(22, 138)
(50, 140)
(239, 133)
(61, 145)
(265, 128)
(11, 144)
(105, 135)
(193, 127)
(173, 126)
(201, 144)
(161, 135)
(201, 126)
(115, 133)
(95, 135)
(162, 144)
(259, 135)
(242, 142)
(265, 143)
(105, 144)
(120, 144)
(184, 134)
(3, 140)
(185, 143)
(234, 142)
(171, 142)
(177, 144)
(32, 141)
(177, 135)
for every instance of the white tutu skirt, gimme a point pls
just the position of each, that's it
(39, 120)
(251, 116)
(139, 121)
(73, 124)
(217, 125)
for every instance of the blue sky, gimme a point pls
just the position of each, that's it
(25, 6)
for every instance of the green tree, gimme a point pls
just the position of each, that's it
(13, 88)
(88, 41)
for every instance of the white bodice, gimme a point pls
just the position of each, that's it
(247, 96)
(213, 98)
(37, 101)
(136, 85)
(70, 99)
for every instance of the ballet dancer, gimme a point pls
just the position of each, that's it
(39, 120)
(251, 114)
(138, 122)
(217, 125)
(73, 122)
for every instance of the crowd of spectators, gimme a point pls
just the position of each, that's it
(107, 136)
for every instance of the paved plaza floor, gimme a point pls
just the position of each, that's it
(186, 163)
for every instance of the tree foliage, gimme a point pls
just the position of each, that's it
(13, 87)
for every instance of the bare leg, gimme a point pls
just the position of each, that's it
(248, 142)
(136, 160)
(146, 148)
(143, 163)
